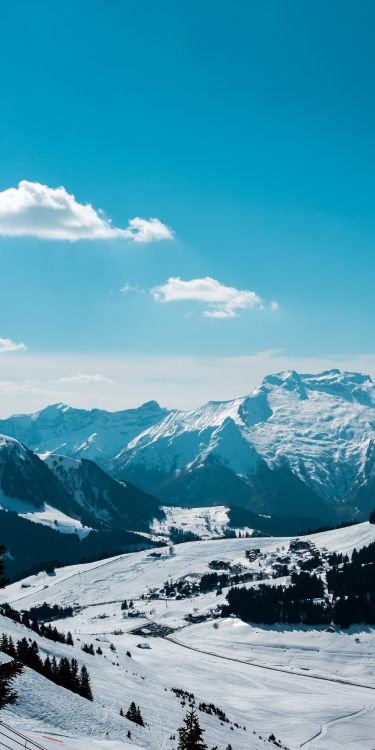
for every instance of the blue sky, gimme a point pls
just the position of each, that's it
(246, 129)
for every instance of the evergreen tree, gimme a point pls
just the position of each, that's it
(8, 672)
(85, 686)
(74, 676)
(12, 669)
(11, 648)
(54, 668)
(191, 734)
(47, 668)
(134, 714)
(64, 673)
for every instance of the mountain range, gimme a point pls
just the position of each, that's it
(298, 445)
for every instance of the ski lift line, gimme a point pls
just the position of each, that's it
(16, 738)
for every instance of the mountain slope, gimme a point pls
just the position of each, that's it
(100, 498)
(313, 433)
(299, 444)
(26, 480)
(40, 498)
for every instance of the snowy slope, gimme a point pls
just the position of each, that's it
(204, 522)
(321, 427)
(99, 497)
(38, 486)
(311, 688)
(24, 478)
(57, 520)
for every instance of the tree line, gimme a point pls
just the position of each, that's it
(62, 672)
(47, 631)
(351, 600)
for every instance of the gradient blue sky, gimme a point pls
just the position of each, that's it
(245, 126)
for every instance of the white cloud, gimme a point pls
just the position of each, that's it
(6, 345)
(223, 301)
(274, 306)
(128, 288)
(36, 210)
(85, 379)
(226, 313)
(148, 230)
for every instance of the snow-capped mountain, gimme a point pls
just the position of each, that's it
(97, 435)
(298, 445)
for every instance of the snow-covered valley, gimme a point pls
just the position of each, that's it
(309, 686)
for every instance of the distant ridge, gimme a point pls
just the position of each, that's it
(299, 444)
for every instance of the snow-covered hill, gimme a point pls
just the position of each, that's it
(298, 445)
(309, 687)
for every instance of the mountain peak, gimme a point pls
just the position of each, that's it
(288, 380)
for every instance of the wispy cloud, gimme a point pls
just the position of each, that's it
(36, 210)
(26, 388)
(85, 379)
(131, 288)
(183, 382)
(223, 301)
(7, 345)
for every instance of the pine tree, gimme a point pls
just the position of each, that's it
(69, 639)
(74, 676)
(47, 668)
(85, 687)
(191, 734)
(11, 669)
(134, 714)
(64, 673)
(8, 672)
(11, 648)
(54, 668)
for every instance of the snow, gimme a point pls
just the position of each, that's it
(310, 687)
(95, 434)
(205, 522)
(322, 426)
(57, 520)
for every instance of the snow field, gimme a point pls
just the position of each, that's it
(311, 688)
